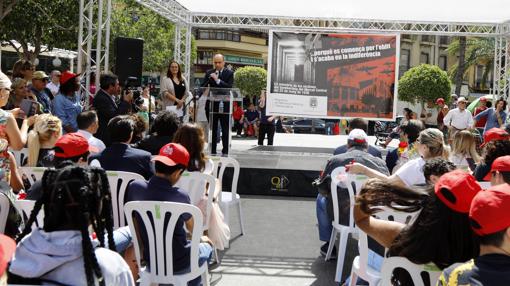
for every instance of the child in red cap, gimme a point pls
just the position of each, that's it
(490, 221)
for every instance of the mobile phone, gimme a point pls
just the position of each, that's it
(29, 107)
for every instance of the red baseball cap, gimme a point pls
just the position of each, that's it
(494, 134)
(483, 98)
(72, 145)
(439, 100)
(501, 164)
(67, 75)
(7, 248)
(173, 154)
(489, 210)
(456, 189)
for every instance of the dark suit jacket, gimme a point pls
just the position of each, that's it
(226, 81)
(371, 149)
(122, 157)
(106, 109)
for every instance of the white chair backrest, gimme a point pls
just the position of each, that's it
(390, 214)
(26, 207)
(221, 164)
(21, 156)
(422, 275)
(158, 217)
(485, 185)
(119, 182)
(347, 181)
(196, 185)
(4, 211)
(33, 174)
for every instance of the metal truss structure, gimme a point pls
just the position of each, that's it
(185, 20)
(93, 42)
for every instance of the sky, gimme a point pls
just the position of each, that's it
(486, 11)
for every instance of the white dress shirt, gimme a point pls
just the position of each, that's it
(458, 119)
(53, 88)
(93, 141)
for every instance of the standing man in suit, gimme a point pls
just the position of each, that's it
(106, 105)
(219, 77)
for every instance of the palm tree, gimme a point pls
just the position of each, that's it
(478, 51)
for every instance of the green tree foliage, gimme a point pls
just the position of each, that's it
(53, 23)
(424, 83)
(478, 51)
(6, 7)
(132, 20)
(250, 80)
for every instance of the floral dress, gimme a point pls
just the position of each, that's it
(5, 166)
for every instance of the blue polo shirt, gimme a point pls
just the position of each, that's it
(159, 189)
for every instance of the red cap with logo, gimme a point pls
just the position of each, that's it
(439, 100)
(72, 145)
(489, 210)
(483, 99)
(456, 189)
(494, 134)
(173, 154)
(501, 164)
(67, 75)
(7, 248)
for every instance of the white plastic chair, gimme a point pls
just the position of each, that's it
(360, 267)
(349, 182)
(33, 174)
(416, 271)
(160, 242)
(20, 156)
(229, 199)
(4, 211)
(25, 207)
(119, 182)
(195, 184)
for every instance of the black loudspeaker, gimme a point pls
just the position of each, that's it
(129, 59)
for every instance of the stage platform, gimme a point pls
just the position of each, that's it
(289, 166)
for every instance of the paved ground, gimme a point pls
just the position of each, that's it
(280, 246)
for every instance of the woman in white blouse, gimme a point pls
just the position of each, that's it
(430, 144)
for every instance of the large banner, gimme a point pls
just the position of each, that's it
(333, 75)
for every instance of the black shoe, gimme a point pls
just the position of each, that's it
(324, 250)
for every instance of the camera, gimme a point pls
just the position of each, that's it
(130, 85)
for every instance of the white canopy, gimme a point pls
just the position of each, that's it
(444, 11)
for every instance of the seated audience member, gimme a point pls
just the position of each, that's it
(24, 69)
(19, 92)
(67, 104)
(441, 232)
(41, 140)
(464, 153)
(238, 117)
(7, 248)
(435, 168)
(162, 132)
(251, 118)
(87, 127)
(430, 145)
(75, 199)
(120, 156)
(191, 137)
(141, 127)
(490, 221)
(409, 132)
(500, 171)
(17, 137)
(358, 123)
(495, 144)
(169, 165)
(71, 148)
(10, 177)
(54, 83)
(43, 95)
(357, 150)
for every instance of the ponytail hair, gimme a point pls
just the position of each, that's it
(45, 126)
(433, 138)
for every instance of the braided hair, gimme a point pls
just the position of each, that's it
(73, 199)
